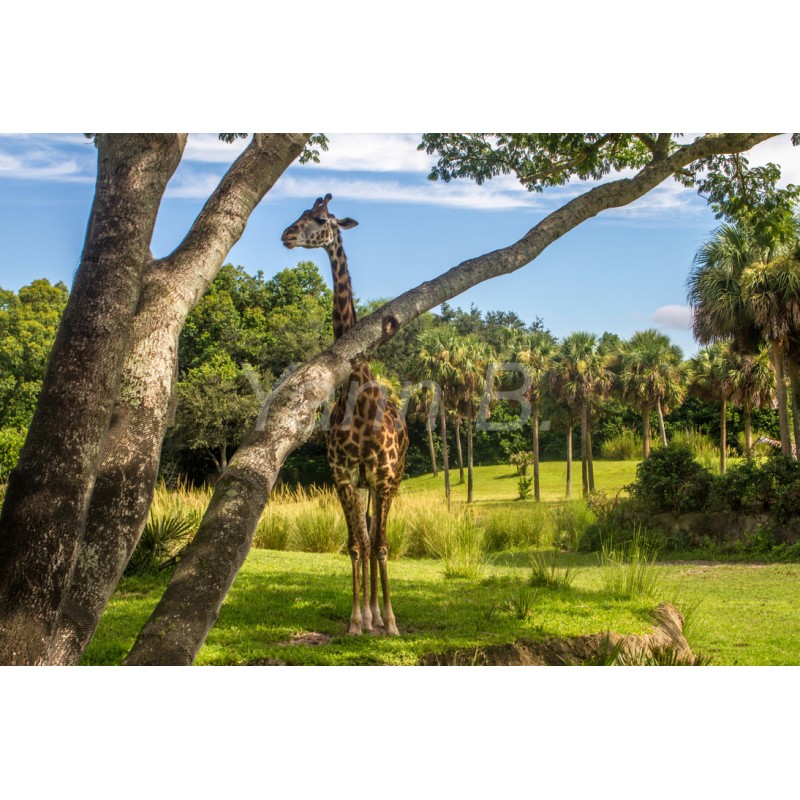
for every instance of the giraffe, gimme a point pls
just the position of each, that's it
(367, 438)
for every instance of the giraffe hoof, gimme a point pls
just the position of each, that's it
(354, 629)
(391, 629)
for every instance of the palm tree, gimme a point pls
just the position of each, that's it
(735, 296)
(652, 376)
(581, 377)
(753, 382)
(470, 359)
(711, 379)
(536, 353)
(435, 355)
(772, 292)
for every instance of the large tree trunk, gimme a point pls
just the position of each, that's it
(129, 464)
(470, 413)
(458, 450)
(172, 636)
(45, 508)
(646, 432)
(661, 429)
(569, 462)
(537, 496)
(776, 353)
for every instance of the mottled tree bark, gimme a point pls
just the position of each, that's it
(45, 508)
(180, 623)
(661, 429)
(129, 465)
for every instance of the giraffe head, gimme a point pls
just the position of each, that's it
(316, 227)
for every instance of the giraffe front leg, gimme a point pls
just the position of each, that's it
(355, 614)
(382, 506)
(367, 615)
(377, 620)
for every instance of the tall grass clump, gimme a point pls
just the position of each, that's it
(507, 527)
(319, 524)
(458, 543)
(628, 569)
(572, 519)
(625, 446)
(547, 572)
(704, 449)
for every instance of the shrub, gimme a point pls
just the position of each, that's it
(671, 481)
(524, 487)
(521, 460)
(163, 539)
(704, 448)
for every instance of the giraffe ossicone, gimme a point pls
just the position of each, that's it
(367, 436)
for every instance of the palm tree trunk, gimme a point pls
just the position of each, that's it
(776, 352)
(590, 458)
(432, 449)
(748, 430)
(569, 461)
(794, 383)
(646, 432)
(535, 414)
(723, 436)
(470, 412)
(661, 422)
(458, 450)
(445, 460)
(584, 470)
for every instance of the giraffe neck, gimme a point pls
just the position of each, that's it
(344, 312)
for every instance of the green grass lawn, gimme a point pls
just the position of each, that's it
(737, 614)
(500, 482)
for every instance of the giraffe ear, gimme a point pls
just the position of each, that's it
(347, 222)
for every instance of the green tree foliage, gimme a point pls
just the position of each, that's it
(28, 323)
(245, 328)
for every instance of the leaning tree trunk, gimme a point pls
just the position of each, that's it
(661, 429)
(178, 626)
(569, 461)
(470, 414)
(537, 496)
(646, 432)
(723, 436)
(46, 505)
(776, 353)
(458, 450)
(129, 463)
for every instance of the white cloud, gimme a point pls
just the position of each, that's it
(41, 165)
(207, 148)
(375, 152)
(192, 184)
(673, 317)
(495, 194)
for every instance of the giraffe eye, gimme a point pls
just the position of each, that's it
(319, 221)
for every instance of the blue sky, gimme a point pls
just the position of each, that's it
(622, 271)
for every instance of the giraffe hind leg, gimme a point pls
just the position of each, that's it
(382, 505)
(377, 620)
